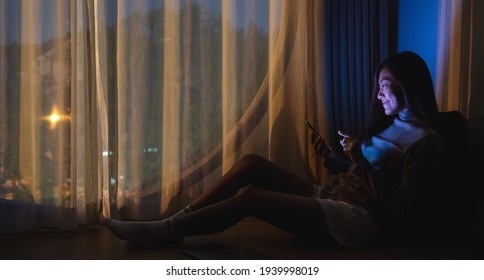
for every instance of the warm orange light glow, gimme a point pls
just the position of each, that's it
(54, 118)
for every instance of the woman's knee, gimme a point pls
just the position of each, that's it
(245, 193)
(244, 198)
(252, 165)
(252, 160)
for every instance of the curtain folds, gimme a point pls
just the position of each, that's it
(360, 34)
(35, 85)
(130, 109)
(459, 58)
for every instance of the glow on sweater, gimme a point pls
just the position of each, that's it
(387, 149)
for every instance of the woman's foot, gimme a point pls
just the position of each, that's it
(146, 234)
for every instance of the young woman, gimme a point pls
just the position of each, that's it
(386, 189)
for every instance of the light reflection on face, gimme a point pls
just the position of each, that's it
(390, 94)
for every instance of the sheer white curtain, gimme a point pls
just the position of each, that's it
(131, 108)
(198, 84)
(36, 169)
(460, 57)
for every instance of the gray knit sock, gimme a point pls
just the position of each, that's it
(146, 234)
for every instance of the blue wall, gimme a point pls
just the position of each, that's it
(418, 29)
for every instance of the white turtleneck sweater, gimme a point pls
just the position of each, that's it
(387, 149)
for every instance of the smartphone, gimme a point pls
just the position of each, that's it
(312, 128)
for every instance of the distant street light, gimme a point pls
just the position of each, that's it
(54, 118)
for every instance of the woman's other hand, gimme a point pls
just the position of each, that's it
(351, 146)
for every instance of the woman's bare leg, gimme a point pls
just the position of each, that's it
(277, 196)
(299, 215)
(256, 171)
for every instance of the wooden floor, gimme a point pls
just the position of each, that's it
(250, 239)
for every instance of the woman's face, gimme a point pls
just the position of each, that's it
(390, 94)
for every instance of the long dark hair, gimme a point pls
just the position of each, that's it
(418, 91)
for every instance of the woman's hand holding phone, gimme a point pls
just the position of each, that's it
(319, 144)
(331, 160)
